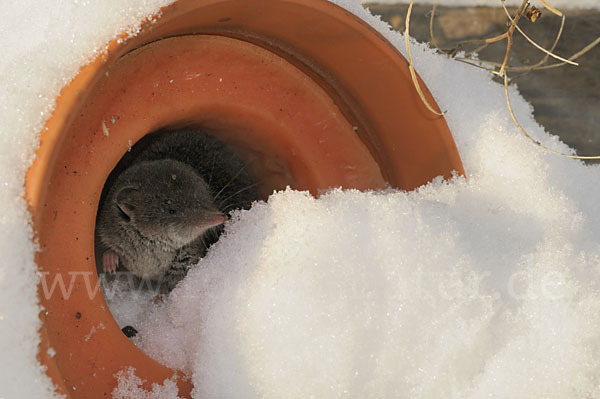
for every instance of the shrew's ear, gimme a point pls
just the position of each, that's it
(125, 199)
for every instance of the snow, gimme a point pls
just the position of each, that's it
(478, 287)
(390, 295)
(559, 4)
(43, 45)
(484, 286)
(130, 384)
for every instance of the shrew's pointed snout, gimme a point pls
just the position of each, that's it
(214, 219)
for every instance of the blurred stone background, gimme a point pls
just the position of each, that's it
(566, 99)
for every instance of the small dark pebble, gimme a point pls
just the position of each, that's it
(129, 331)
(78, 315)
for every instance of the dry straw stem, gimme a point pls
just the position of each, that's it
(495, 65)
(574, 56)
(501, 69)
(518, 125)
(411, 67)
(509, 35)
(503, 73)
(530, 68)
(534, 43)
(552, 9)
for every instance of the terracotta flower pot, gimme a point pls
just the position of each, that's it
(308, 94)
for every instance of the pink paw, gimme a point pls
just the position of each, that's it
(110, 261)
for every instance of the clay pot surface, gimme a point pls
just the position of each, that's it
(307, 94)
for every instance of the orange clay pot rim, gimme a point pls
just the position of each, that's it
(370, 101)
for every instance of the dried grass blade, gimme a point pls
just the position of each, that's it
(509, 34)
(574, 56)
(543, 60)
(518, 125)
(537, 45)
(552, 9)
(432, 38)
(413, 74)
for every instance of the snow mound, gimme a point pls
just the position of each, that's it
(43, 45)
(484, 286)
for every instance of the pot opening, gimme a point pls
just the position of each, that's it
(266, 100)
(280, 125)
(235, 176)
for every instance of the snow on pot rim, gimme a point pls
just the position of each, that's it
(350, 82)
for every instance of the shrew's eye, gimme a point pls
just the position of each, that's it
(172, 211)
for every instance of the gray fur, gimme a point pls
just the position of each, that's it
(210, 177)
(152, 211)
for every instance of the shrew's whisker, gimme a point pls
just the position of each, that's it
(229, 182)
